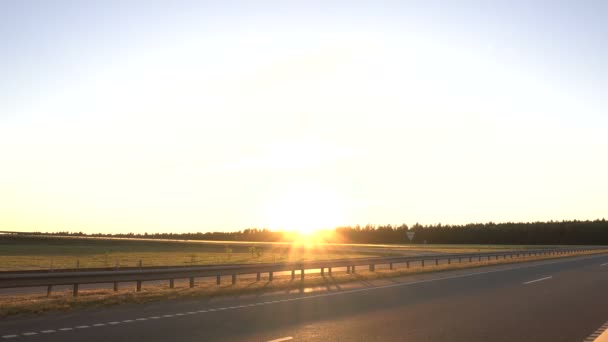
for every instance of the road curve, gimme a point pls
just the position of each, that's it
(552, 300)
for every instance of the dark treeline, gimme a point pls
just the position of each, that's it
(532, 233)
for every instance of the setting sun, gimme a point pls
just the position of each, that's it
(305, 211)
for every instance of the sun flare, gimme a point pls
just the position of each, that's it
(305, 211)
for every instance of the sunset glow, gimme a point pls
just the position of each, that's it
(251, 116)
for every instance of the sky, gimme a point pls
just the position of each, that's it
(174, 116)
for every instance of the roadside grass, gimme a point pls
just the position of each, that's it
(31, 253)
(205, 288)
(57, 253)
(132, 259)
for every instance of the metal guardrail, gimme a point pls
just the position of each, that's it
(16, 279)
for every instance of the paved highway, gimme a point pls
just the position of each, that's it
(553, 300)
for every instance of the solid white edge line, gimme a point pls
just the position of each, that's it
(383, 287)
(535, 280)
(282, 339)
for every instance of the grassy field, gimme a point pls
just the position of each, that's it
(29, 253)
(59, 301)
(23, 253)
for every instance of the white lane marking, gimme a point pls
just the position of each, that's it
(82, 327)
(604, 264)
(154, 317)
(31, 333)
(378, 287)
(282, 339)
(50, 331)
(141, 319)
(127, 320)
(535, 280)
(600, 335)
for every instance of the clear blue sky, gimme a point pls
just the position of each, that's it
(192, 116)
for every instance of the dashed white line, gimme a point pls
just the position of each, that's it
(98, 324)
(335, 294)
(141, 319)
(50, 331)
(282, 339)
(536, 280)
(31, 333)
(601, 334)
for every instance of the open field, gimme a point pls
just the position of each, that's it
(45, 253)
(29, 253)
(206, 287)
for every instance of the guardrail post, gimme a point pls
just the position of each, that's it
(436, 262)
(191, 282)
(302, 274)
(352, 269)
(293, 274)
(171, 284)
(75, 290)
(390, 265)
(270, 274)
(218, 279)
(347, 269)
(329, 270)
(422, 262)
(479, 258)
(449, 261)
(258, 276)
(323, 271)
(372, 268)
(115, 286)
(233, 279)
(139, 286)
(470, 259)
(407, 264)
(49, 289)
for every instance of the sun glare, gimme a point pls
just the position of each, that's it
(305, 212)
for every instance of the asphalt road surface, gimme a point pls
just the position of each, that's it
(552, 300)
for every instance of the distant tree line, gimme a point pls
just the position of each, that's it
(529, 233)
